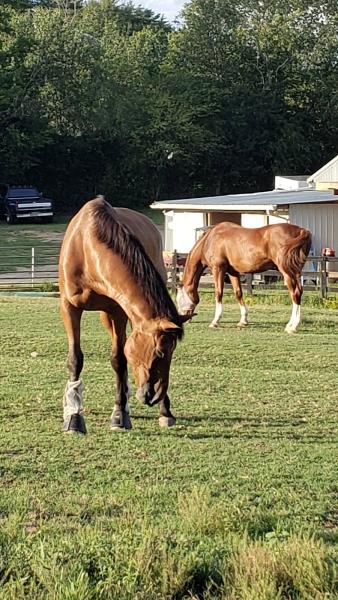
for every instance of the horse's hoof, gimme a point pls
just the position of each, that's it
(213, 325)
(120, 421)
(241, 324)
(167, 421)
(290, 331)
(74, 424)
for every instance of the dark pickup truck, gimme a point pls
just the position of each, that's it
(18, 203)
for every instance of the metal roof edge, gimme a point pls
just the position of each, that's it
(171, 203)
(215, 207)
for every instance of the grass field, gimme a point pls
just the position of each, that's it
(239, 501)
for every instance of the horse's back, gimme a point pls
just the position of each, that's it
(147, 234)
(232, 232)
(251, 249)
(82, 228)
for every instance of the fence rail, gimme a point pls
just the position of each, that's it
(32, 268)
(27, 267)
(320, 274)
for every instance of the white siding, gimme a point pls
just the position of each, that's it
(328, 174)
(322, 222)
(180, 233)
(272, 220)
(290, 183)
(168, 230)
(250, 221)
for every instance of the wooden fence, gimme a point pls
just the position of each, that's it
(28, 268)
(319, 275)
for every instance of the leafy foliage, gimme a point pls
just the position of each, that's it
(94, 97)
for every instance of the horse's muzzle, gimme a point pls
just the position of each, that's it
(146, 396)
(189, 312)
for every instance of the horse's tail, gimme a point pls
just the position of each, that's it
(296, 251)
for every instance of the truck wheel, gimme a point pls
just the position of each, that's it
(10, 219)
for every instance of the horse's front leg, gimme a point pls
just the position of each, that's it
(73, 420)
(237, 288)
(166, 418)
(295, 290)
(218, 275)
(116, 324)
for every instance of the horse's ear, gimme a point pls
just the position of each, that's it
(170, 327)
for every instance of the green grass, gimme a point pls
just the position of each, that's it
(20, 232)
(239, 501)
(271, 297)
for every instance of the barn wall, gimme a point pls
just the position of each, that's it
(180, 230)
(215, 217)
(168, 231)
(330, 173)
(326, 185)
(250, 220)
(322, 222)
(273, 220)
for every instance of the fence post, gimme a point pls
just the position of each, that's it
(249, 279)
(173, 272)
(323, 278)
(33, 267)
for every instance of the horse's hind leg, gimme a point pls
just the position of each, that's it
(236, 286)
(73, 421)
(218, 275)
(116, 324)
(295, 289)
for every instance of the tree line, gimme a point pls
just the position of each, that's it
(103, 97)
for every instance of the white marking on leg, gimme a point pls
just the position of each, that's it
(184, 303)
(73, 398)
(295, 318)
(218, 314)
(244, 314)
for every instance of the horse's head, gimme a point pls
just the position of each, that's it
(150, 353)
(186, 300)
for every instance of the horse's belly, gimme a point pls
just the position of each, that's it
(252, 264)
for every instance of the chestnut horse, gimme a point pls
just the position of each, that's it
(229, 249)
(111, 261)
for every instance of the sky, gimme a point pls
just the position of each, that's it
(169, 8)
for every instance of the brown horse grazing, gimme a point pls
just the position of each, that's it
(230, 249)
(111, 261)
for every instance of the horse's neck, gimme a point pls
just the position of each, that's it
(193, 268)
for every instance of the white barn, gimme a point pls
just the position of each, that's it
(326, 177)
(292, 200)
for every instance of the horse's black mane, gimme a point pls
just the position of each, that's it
(119, 239)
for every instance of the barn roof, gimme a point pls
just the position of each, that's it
(328, 172)
(271, 200)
